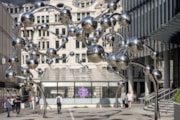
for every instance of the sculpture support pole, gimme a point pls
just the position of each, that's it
(44, 99)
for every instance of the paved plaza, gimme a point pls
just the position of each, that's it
(106, 113)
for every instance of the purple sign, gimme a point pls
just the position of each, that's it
(83, 92)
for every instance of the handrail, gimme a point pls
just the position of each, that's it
(168, 94)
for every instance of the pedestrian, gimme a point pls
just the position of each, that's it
(18, 104)
(7, 105)
(30, 102)
(13, 103)
(130, 98)
(59, 103)
(123, 98)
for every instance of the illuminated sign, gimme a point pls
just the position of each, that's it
(83, 92)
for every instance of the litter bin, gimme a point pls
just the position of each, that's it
(22, 105)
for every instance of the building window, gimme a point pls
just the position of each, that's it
(39, 31)
(83, 15)
(15, 19)
(88, 14)
(83, 57)
(44, 33)
(42, 17)
(43, 59)
(78, 17)
(64, 60)
(43, 45)
(63, 31)
(64, 46)
(56, 60)
(11, 10)
(83, 45)
(77, 58)
(57, 44)
(38, 19)
(82, 5)
(47, 33)
(57, 31)
(26, 9)
(47, 19)
(47, 44)
(15, 10)
(77, 44)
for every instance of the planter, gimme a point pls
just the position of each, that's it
(176, 111)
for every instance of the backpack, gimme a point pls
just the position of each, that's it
(58, 100)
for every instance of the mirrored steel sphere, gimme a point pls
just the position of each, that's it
(121, 43)
(51, 53)
(80, 35)
(40, 71)
(89, 24)
(44, 27)
(32, 63)
(10, 75)
(13, 60)
(27, 18)
(38, 4)
(18, 25)
(155, 55)
(135, 45)
(112, 6)
(157, 74)
(105, 22)
(64, 39)
(34, 54)
(72, 31)
(65, 16)
(124, 19)
(113, 21)
(95, 53)
(18, 42)
(49, 61)
(109, 38)
(71, 53)
(25, 72)
(111, 59)
(98, 33)
(93, 40)
(29, 46)
(122, 61)
(148, 69)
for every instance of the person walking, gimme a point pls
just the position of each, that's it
(130, 98)
(18, 104)
(13, 103)
(123, 98)
(7, 105)
(59, 103)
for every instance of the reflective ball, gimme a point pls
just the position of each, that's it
(155, 55)
(27, 18)
(18, 42)
(98, 33)
(124, 19)
(93, 40)
(95, 53)
(29, 46)
(122, 61)
(10, 75)
(121, 43)
(38, 4)
(65, 16)
(44, 27)
(65, 39)
(32, 63)
(112, 6)
(113, 21)
(40, 71)
(157, 74)
(105, 22)
(18, 25)
(109, 38)
(71, 53)
(89, 24)
(51, 53)
(111, 59)
(72, 31)
(34, 54)
(135, 45)
(148, 69)
(80, 35)
(13, 60)
(25, 72)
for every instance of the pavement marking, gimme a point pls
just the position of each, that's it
(71, 114)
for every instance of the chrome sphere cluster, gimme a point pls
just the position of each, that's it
(88, 32)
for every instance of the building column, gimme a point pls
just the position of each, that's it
(147, 81)
(166, 69)
(130, 78)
